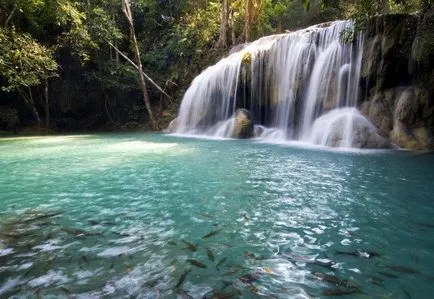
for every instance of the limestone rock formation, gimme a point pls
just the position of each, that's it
(397, 79)
(413, 120)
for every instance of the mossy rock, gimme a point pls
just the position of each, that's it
(417, 139)
(247, 58)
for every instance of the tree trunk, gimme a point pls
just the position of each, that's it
(106, 105)
(28, 99)
(136, 67)
(128, 14)
(254, 8)
(232, 27)
(10, 16)
(115, 42)
(224, 20)
(47, 107)
(248, 20)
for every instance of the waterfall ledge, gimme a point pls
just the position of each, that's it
(298, 86)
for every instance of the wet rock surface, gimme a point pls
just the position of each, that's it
(397, 79)
(243, 124)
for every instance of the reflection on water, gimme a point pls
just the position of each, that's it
(155, 216)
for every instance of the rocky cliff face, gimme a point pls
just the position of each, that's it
(397, 78)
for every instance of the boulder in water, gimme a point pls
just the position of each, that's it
(242, 125)
(346, 127)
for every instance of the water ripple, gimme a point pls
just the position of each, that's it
(127, 216)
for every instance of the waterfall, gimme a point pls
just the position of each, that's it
(289, 83)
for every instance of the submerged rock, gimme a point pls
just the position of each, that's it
(242, 125)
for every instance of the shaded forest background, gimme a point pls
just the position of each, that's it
(73, 65)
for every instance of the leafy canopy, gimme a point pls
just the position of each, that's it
(23, 61)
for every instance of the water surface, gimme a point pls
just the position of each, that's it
(106, 216)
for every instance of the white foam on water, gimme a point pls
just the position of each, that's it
(50, 246)
(52, 277)
(11, 283)
(116, 251)
(6, 251)
(346, 242)
(25, 266)
(84, 274)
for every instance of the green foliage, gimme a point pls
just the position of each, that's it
(361, 11)
(23, 61)
(292, 14)
(198, 29)
(55, 23)
(102, 26)
(410, 6)
(75, 34)
(322, 3)
(306, 4)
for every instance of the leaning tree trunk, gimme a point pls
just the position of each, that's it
(128, 14)
(10, 16)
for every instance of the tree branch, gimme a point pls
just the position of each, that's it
(136, 67)
(123, 55)
(10, 15)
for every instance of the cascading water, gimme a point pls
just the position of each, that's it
(287, 82)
